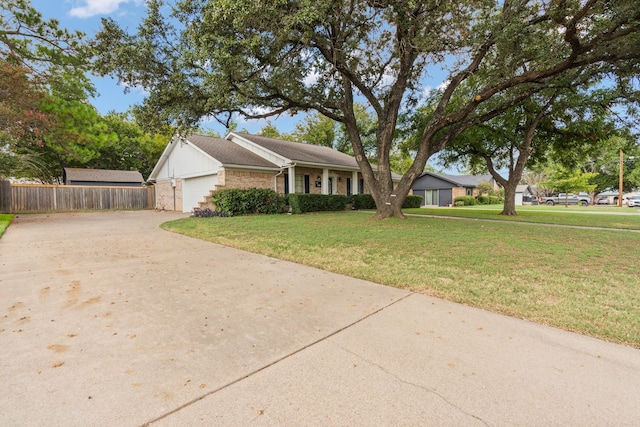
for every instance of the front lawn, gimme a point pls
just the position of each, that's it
(590, 216)
(579, 280)
(5, 219)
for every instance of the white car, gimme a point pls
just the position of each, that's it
(633, 201)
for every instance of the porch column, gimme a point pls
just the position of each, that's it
(292, 179)
(354, 182)
(325, 181)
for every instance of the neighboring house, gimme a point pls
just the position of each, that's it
(193, 166)
(525, 194)
(102, 177)
(438, 189)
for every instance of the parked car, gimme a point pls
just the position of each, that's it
(569, 198)
(603, 200)
(633, 201)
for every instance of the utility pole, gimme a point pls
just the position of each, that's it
(621, 177)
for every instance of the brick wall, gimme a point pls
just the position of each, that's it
(457, 192)
(164, 195)
(229, 178)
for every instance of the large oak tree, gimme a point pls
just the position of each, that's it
(260, 59)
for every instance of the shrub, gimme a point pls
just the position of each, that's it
(467, 200)
(236, 201)
(483, 200)
(208, 213)
(362, 201)
(365, 201)
(412, 202)
(301, 203)
(459, 203)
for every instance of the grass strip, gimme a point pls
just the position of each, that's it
(5, 220)
(592, 216)
(579, 280)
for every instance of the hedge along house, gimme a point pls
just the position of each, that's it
(438, 189)
(191, 167)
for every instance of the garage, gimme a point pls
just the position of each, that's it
(195, 189)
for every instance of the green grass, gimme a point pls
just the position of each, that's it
(5, 219)
(591, 216)
(580, 280)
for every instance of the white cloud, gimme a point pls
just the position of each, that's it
(97, 7)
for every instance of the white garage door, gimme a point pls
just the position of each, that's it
(195, 189)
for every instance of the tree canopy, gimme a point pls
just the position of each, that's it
(260, 59)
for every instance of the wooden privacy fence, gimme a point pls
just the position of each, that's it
(5, 196)
(28, 197)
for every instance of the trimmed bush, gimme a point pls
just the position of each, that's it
(365, 201)
(301, 203)
(482, 200)
(467, 200)
(362, 201)
(208, 213)
(236, 201)
(412, 202)
(488, 200)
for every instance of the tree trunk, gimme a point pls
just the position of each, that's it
(509, 208)
(391, 210)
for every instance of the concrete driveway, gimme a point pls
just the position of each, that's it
(105, 320)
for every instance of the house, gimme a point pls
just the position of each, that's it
(438, 189)
(191, 167)
(525, 194)
(102, 177)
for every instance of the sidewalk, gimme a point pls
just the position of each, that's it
(105, 319)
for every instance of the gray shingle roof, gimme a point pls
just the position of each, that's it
(227, 152)
(462, 180)
(303, 153)
(102, 175)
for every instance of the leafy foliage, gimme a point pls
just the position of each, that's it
(362, 201)
(208, 213)
(27, 40)
(234, 201)
(465, 200)
(302, 203)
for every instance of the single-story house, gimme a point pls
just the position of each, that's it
(193, 166)
(102, 177)
(438, 189)
(525, 194)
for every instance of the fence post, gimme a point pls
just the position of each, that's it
(5, 196)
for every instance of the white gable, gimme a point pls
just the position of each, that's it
(183, 159)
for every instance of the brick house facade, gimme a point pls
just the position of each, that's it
(192, 167)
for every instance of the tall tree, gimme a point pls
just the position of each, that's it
(316, 129)
(37, 44)
(128, 146)
(261, 59)
(21, 121)
(565, 122)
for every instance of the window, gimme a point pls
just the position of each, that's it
(286, 183)
(430, 198)
(361, 186)
(299, 184)
(348, 186)
(469, 191)
(306, 184)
